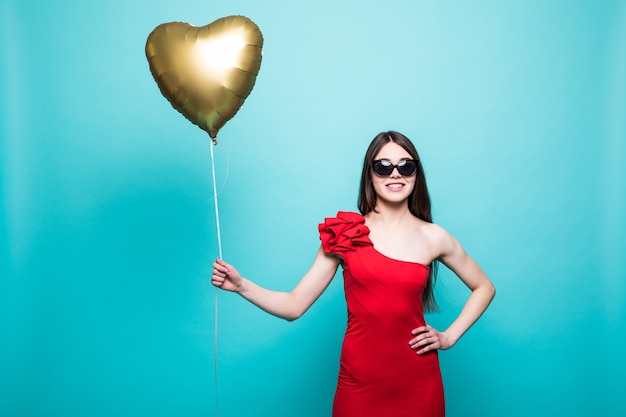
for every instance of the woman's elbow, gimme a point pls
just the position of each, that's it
(294, 314)
(491, 290)
(487, 290)
(296, 308)
(291, 318)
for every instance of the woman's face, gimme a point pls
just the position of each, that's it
(395, 188)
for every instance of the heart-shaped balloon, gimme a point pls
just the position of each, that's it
(206, 72)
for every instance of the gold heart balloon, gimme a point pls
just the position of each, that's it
(206, 72)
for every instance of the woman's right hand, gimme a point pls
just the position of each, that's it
(225, 276)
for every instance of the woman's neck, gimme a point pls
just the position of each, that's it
(389, 214)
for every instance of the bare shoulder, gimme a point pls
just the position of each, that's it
(436, 232)
(440, 238)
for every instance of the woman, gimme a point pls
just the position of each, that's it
(389, 364)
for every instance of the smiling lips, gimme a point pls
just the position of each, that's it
(395, 186)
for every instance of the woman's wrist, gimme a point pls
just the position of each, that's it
(450, 338)
(241, 288)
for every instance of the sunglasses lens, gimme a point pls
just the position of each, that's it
(407, 168)
(383, 168)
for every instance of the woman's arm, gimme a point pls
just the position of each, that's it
(286, 305)
(454, 257)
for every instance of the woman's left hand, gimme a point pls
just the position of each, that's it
(428, 338)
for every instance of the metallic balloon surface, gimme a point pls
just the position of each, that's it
(206, 72)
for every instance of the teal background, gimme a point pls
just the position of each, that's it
(518, 109)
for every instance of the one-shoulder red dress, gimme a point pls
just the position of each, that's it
(380, 375)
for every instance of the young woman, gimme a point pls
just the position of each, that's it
(389, 364)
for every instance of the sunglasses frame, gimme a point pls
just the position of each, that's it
(397, 166)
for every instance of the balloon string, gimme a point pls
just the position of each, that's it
(219, 249)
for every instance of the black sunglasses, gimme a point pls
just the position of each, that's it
(384, 168)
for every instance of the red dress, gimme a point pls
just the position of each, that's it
(380, 375)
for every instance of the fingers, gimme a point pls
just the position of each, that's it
(225, 276)
(220, 272)
(421, 329)
(426, 339)
(221, 266)
(218, 279)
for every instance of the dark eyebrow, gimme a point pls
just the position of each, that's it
(400, 160)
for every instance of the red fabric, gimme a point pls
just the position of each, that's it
(380, 375)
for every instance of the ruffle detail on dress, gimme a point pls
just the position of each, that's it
(342, 233)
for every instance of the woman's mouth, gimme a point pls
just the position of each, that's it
(395, 186)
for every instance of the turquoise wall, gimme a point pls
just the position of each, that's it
(518, 109)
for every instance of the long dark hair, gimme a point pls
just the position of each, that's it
(419, 200)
